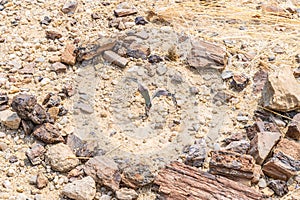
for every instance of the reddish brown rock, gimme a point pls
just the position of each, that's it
(68, 56)
(27, 126)
(239, 81)
(262, 144)
(259, 80)
(232, 165)
(48, 133)
(41, 181)
(53, 35)
(36, 154)
(294, 128)
(260, 126)
(104, 171)
(288, 147)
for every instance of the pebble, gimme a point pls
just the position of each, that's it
(226, 75)
(161, 70)
(262, 183)
(7, 184)
(11, 172)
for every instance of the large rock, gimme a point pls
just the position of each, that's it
(281, 91)
(61, 158)
(84, 189)
(10, 119)
(104, 171)
(262, 144)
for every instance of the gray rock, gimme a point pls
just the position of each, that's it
(226, 75)
(84, 189)
(161, 70)
(36, 154)
(262, 183)
(241, 146)
(10, 119)
(61, 158)
(126, 194)
(69, 7)
(114, 58)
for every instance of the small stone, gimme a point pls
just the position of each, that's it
(10, 119)
(82, 148)
(161, 70)
(53, 112)
(45, 81)
(61, 158)
(41, 181)
(196, 154)
(36, 154)
(46, 21)
(96, 16)
(48, 133)
(122, 12)
(68, 56)
(58, 67)
(194, 90)
(242, 118)
(114, 58)
(11, 172)
(267, 192)
(239, 81)
(105, 197)
(7, 184)
(140, 21)
(262, 183)
(3, 146)
(294, 128)
(126, 194)
(69, 7)
(84, 189)
(241, 146)
(226, 75)
(154, 59)
(52, 35)
(279, 187)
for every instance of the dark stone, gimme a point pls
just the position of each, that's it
(239, 82)
(46, 21)
(154, 59)
(52, 35)
(13, 159)
(48, 133)
(136, 54)
(27, 126)
(279, 187)
(136, 176)
(3, 98)
(196, 153)
(96, 16)
(140, 21)
(36, 154)
(82, 148)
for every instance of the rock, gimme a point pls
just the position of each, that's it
(262, 183)
(161, 69)
(122, 12)
(288, 147)
(52, 35)
(140, 21)
(84, 189)
(137, 176)
(46, 21)
(154, 59)
(48, 133)
(3, 98)
(27, 126)
(234, 137)
(82, 148)
(239, 82)
(114, 58)
(260, 126)
(61, 158)
(196, 153)
(260, 149)
(36, 154)
(58, 67)
(68, 56)
(226, 75)
(240, 146)
(28, 69)
(53, 112)
(126, 194)
(281, 91)
(104, 171)
(76, 172)
(41, 181)
(69, 7)
(232, 165)
(294, 128)
(10, 119)
(52, 100)
(279, 187)
(204, 54)
(259, 80)
(267, 192)
(96, 16)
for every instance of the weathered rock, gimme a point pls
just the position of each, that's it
(104, 171)
(36, 154)
(154, 59)
(260, 126)
(114, 58)
(10, 119)
(53, 112)
(232, 165)
(52, 100)
(239, 81)
(69, 7)
(288, 147)
(48, 133)
(52, 35)
(76, 172)
(204, 54)
(259, 80)
(84, 189)
(281, 91)
(279, 187)
(140, 21)
(58, 67)
(3, 98)
(262, 144)
(196, 153)
(68, 56)
(82, 148)
(294, 128)
(61, 158)
(137, 176)
(122, 12)
(235, 137)
(240, 146)
(27, 126)
(41, 181)
(126, 194)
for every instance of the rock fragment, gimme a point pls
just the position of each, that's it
(61, 158)
(279, 187)
(196, 153)
(126, 194)
(84, 189)
(10, 119)
(122, 12)
(239, 82)
(69, 7)
(41, 181)
(240, 146)
(36, 154)
(140, 21)
(104, 171)
(114, 58)
(294, 128)
(281, 91)
(48, 133)
(52, 35)
(68, 56)
(58, 67)
(82, 148)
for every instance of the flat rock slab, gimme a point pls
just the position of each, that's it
(179, 181)
(84, 189)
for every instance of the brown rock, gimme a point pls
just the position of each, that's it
(260, 126)
(82, 148)
(48, 133)
(240, 146)
(52, 35)
(114, 58)
(41, 181)
(279, 187)
(137, 176)
(36, 154)
(232, 165)
(262, 144)
(122, 12)
(259, 80)
(53, 112)
(68, 56)
(239, 81)
(257, 174)
(104, 171)
(10, 119)
(126, 194)
(58, 67)
(294, 128)
(289, 148)
(281, 91)
(27, 126)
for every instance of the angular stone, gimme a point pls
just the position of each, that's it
(3, 98)
(122, 12)
(232, 165)
(279, 187)
(126, 194)
(53, 112)
(27, 126)
(281, 91)
(82, 148)
(36, 154)
(260, 126)
(52, 35)
(84, 189)
(294, 128)
(240, 146)
(262, 144)
(104, 171)
(69, 7)
(58, 67)
(196, 153)
(259, 80)
(137, 176)
(288, 147)
(10, 119)
(48, 133)
(41, 181)
(239, 81)
(61, 158)
(68, 56)
(114, 58)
